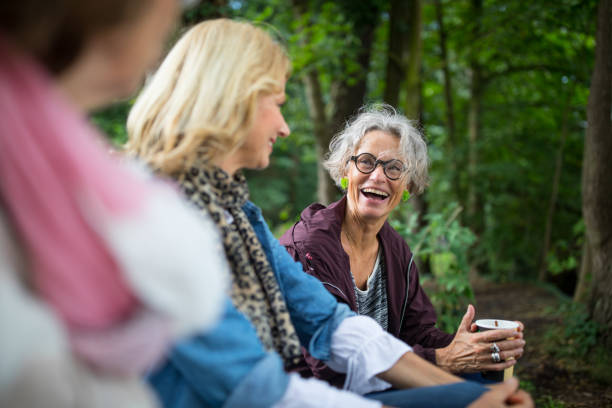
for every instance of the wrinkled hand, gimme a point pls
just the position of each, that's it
(505, 394)
(470, 352)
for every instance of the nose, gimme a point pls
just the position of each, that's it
(378, 174)
(284, 130)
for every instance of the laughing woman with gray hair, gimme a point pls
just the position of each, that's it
(379, 160)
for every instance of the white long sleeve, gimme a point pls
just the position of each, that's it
(362, 349)
(313, 393)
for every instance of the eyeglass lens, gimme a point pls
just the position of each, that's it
(367, 162)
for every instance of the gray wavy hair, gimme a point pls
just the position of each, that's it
(385, 118)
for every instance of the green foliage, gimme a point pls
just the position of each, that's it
(445, 243)
(576, 333)
(548, 401)
(558, 264)
(531, 70)
(331, 45)
(536, 58)
(540, 400)
(527, 386)
(112, 122)
(573, 342)
(564, 253)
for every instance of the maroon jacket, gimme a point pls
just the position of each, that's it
(315, 242)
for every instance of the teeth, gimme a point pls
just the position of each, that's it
(374, 191)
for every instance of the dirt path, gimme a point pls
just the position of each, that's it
(554, 385)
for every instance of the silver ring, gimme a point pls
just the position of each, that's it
(495, 357)
(495, 348)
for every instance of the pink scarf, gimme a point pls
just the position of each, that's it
(53, 170)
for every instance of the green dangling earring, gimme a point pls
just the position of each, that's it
(405, 196)
(344, 182)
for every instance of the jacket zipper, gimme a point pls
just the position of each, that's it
(407, 292)
(338, 289)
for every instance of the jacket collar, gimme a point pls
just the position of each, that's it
(318, 234)
(318, 217)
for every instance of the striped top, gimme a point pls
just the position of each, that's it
(373, 300)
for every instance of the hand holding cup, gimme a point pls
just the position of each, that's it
(472, 351)
(497, 356)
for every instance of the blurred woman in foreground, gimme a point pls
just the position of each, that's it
(377, 159)
(212, 109)
(100, 268)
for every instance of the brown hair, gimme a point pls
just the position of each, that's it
(55, 31)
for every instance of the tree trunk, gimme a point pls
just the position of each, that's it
(404, 58)
(399, 18)
(322, 133)
(413, 102)
(451, 145)
(583, 287)
(597, 174)
(475, 211)
(404, 79)
(552, 203)
(474, 202)
(346, 96)
(316, 109)
(413, 51)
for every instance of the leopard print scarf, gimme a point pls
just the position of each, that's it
(255, 290)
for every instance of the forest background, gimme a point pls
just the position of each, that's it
(514, 99)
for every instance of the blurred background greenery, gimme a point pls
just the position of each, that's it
(500, 89)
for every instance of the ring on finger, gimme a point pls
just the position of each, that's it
(495, 348)
(495, 357)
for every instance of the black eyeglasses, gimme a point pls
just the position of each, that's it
(367, 162)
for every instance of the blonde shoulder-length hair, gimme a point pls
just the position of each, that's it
(202, 100)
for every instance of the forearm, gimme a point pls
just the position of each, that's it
(311, 393)
(426, 353)
(413, 371)
(362, 349)
(374, 360)
(443, 361)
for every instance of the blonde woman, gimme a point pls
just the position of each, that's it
(213, 109)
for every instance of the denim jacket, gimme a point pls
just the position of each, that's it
(227, 365)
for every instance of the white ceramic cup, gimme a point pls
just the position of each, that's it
(495, 324)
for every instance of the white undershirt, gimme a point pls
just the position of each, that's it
(361, 349)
